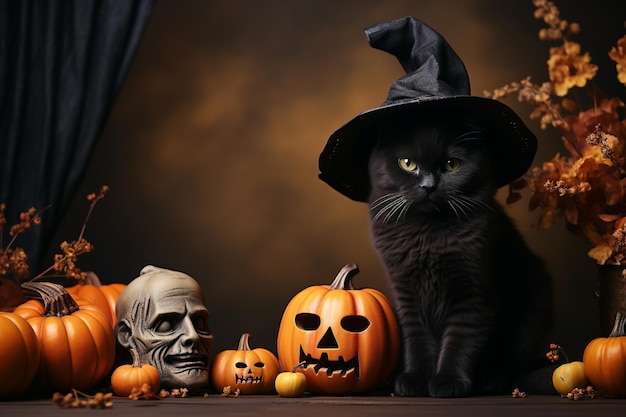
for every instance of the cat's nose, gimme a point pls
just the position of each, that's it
(427, 182)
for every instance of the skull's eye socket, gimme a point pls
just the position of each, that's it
(166, 323)
(307, 321)
(355, 324)
(201, 323)
(241, 365)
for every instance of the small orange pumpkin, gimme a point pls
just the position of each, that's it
(347, 338)
(604, 359)
(252, 371)
(19, 354)
(102, 296)
(77, 346)
(127, 377)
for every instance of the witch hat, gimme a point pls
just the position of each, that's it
(435, 80)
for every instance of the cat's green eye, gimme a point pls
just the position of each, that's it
(452, 164)
(407, 164)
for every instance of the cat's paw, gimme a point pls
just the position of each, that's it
(410, 385)
(449, 386)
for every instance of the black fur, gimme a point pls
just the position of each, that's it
(473, 302)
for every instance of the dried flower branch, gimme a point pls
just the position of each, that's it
(93, 198)
(77, 399)
(14, 260)
(587, 188)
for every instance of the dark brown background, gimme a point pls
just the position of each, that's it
(211, 150)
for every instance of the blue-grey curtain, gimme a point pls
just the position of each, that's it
(62, 64)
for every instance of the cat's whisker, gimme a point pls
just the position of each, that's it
(475, 202)
(384, 199)
(456, 213)
(404, 210)
(391, 204)
(384, 210)
(465, 204)
(458, 210)
(398, 206)
(393, 208)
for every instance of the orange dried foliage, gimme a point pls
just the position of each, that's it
(586, 188)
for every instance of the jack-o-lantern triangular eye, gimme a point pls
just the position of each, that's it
(355, 324)
(307, 321)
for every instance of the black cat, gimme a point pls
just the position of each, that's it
(474, 304)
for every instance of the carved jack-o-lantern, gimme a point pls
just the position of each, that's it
(252, 371)
(347, 338)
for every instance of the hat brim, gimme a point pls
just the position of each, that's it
(343, 163)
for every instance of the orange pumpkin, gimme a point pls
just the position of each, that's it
(19, 355)
(102, 296)
(604, 359)
(76, 339)
(348, 338)
(127, 377)
(252, 371)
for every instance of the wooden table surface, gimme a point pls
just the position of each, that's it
(319, 406)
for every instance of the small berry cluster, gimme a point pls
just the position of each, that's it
(554, 353)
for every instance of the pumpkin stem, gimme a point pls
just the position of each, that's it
(56, 300)
(92, 279)
(618, 327)
(136, 358)
(343, 280)
(300, 365)
(243, 342)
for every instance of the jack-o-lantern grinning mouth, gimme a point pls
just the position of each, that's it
(248, 379)
(331, 366)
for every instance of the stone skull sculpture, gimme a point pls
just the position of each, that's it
(161, 314)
